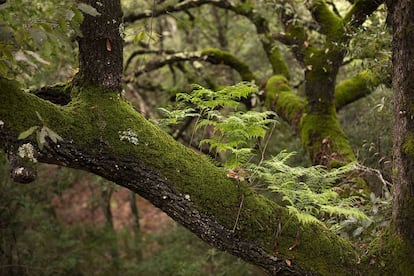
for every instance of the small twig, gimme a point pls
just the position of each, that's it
(375, 172)
(278, 233)
(297, 241)
(266, 144)
(240, 207)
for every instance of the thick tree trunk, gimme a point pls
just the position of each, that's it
(100, 46)
(403, 131)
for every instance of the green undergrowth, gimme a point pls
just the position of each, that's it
(308, 193)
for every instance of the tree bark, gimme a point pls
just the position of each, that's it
(101, 46)
(403, 126)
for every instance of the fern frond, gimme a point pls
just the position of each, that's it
(309, 192)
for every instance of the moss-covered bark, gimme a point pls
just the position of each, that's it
(330, 24)
(355, 88)
(324, 140)
(283, 100)
(218, 56)
(390, 254)
(107, 125)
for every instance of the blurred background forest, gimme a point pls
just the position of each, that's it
(72, 222)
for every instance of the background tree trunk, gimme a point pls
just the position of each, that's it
(403, 132)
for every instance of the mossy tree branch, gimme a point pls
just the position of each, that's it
(359, 12)
(330, 24)
(103, 134)
(281, 98)
(211, 55)
(355, 88)
(146, 52)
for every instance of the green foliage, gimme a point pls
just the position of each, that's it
(173, 117)
(207, 100)
(233, 131)
(378, 209)
(41, 134)
(309, 193)
(35, 39)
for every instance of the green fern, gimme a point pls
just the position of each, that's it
(206, 99)
(174, 117)
(309, 193)
(234, 131)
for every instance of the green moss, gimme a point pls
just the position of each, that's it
(25, 106)
(355, 88)
(296, 33)
(281, 98)
(408, 146)
(316, 242)
(278, 63)
(330, 24)
(390, 254)
(226, 58)
(274, 85)
(324, 140)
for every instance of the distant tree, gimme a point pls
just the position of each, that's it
(95, 129)
(318, 35)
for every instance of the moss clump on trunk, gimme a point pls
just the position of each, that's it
(325, 140)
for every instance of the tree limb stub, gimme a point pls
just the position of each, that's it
(104, 135)
(355, 88)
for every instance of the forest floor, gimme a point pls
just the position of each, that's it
(81, 202)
